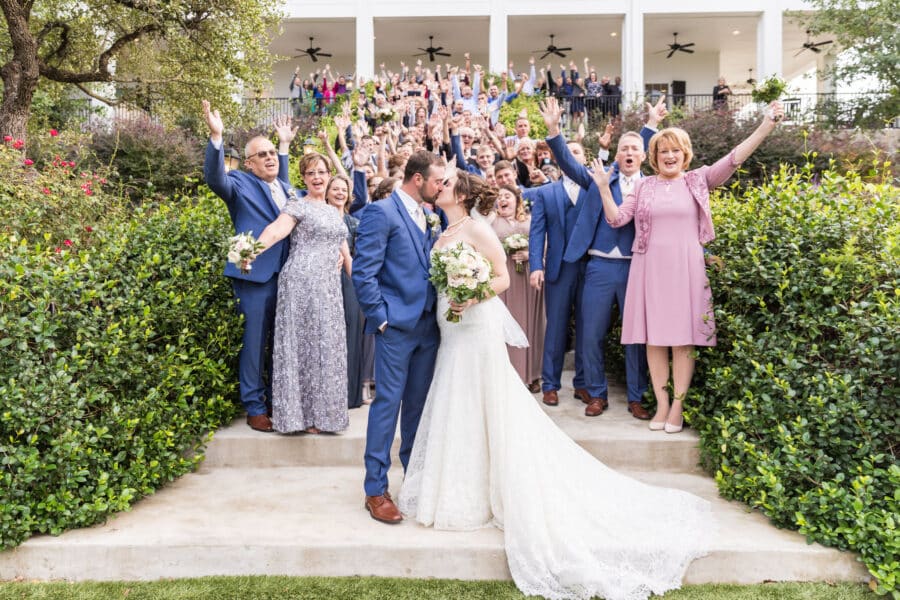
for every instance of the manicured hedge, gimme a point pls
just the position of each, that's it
(117, 355)
(798, 407)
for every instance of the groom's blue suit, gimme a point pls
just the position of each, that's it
(250, 204)
(390, 273)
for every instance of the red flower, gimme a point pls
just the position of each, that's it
(67, 243)
(89, 229)
(58, 249)
(28, 162)
(53, 133)
(7, 138)
(71, 163)
(18, 144)
(89, 192)
(46, 191)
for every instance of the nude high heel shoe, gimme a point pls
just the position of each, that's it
(657, 426)
(674, 428)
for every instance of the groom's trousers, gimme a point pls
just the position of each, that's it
(404, 366)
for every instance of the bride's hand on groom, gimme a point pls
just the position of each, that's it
(459, 307)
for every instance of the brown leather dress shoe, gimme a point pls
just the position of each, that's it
(583, 395)
(638, 411)
(260, 423)
(383, 509)
(551, 398)
(595, 408)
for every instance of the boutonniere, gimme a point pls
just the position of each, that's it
(434, 222)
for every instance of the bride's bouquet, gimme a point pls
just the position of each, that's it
(514, 243)
(461, 273)
(242, 249)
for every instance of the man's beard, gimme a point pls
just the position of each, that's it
(424, 196)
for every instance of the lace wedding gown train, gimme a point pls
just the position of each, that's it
(486, 454)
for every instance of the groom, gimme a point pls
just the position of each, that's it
(390, 273)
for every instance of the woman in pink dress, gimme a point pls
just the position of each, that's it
(669, 302)
(525, 303)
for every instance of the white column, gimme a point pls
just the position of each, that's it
(498, 40)
(365, 43)
(825, 83)
(632, 36)
(769, 44)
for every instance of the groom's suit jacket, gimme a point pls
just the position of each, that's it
(390, 270)
(250, 204)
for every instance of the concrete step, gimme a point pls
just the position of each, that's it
(615, 437)
(311, 521)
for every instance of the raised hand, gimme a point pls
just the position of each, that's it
(605, 138)
(530, 60)
(213, 121)
(510, 149)
(657, 112)
(283, 129)
(552, 113)
(361, 156)
(775, 112)
(600, 175)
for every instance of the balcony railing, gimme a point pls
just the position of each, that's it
(834, 110)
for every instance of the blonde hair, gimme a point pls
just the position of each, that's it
(675, 136)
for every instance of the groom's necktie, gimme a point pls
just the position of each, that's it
(278, 194)
(419, 218)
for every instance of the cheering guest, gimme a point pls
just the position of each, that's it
(668, 303)
(525, 303)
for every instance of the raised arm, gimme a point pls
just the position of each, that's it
(552, 112)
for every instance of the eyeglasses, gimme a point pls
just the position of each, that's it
(314, 173)
(264, 153)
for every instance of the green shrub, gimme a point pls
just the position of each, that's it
(150, 160)
(797, 407)
(509, 112)
(117, 360)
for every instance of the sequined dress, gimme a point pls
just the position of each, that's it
(309, 381)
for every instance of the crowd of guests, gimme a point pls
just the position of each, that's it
(471, 87)
(577, 236)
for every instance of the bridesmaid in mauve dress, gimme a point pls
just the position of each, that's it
(669, 302)
(525, 303)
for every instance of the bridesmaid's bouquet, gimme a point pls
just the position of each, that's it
(461, 273)
(242, 249)
(514, 243)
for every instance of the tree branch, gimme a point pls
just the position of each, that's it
(102, 72)
(61, 49)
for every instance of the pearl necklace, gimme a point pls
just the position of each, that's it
(451, 228)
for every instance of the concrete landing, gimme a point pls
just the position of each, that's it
(267, 504)
(615, 437)
(311, 521)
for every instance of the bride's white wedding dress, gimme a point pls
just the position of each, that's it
(486, 454)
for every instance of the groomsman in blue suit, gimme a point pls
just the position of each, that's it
(254, 199)
(608, 253)
(554, 211)
(390, 273)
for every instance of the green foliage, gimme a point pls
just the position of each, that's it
(112, 368)
(797, 408)
(868, 29)
(149, 160)
(510, 111)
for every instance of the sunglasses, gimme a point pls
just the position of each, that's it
(264, 153)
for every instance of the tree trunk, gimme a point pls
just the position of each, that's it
(20, 75)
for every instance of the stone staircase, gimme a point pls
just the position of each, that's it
(264, 504)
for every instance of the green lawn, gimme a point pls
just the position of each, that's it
(361, 588)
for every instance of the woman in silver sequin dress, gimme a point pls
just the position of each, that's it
(309, 382)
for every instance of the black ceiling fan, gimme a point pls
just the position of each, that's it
(311, 52)
(676, 47)
(750, 80)
(431, 51)
(552, 49)
(810, 45)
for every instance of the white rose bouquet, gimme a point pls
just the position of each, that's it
(461, 273)
(242, 249)
(514, 243)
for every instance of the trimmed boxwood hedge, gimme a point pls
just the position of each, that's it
(117, 359)
(798, 407)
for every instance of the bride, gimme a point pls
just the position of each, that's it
(486, 454)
